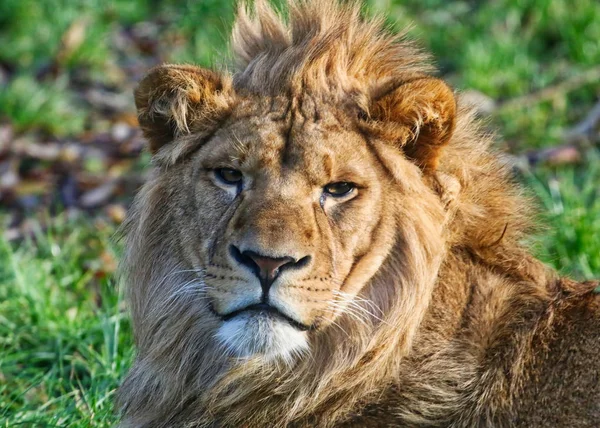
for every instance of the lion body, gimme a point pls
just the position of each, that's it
(412, 301)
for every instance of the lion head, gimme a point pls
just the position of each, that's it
(288, 241)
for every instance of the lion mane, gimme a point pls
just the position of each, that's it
(450, 320)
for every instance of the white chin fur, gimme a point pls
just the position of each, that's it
(249, 335)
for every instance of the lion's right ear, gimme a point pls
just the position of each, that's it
(175, 100)
(418, 115)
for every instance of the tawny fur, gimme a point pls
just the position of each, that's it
(426, 308)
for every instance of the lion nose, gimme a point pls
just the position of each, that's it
(267, 269)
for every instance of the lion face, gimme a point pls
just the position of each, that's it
(283, 209)
(283, 206)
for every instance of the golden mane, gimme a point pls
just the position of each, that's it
(322, 48)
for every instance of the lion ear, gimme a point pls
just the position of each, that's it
(419, 115)
(175, 100)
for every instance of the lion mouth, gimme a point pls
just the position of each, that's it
(266, 310)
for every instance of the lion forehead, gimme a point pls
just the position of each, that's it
(269, 144)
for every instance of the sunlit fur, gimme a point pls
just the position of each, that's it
(423, 306)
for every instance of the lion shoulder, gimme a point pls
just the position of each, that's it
(563, 387)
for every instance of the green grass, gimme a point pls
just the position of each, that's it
(64, 337)
(65, 340)
(41, 105)
(570, 217)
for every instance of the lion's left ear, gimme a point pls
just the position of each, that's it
(419, 116)
(175, 100)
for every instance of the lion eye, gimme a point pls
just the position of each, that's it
(340, 189)
(229, 176)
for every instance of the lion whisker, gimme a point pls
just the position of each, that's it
(194, 287)
(355, 308)
(345, 310)
(370, 303)
(177, 272)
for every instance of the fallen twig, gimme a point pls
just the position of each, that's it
(586, 130)
(589, 76)
(577, 140)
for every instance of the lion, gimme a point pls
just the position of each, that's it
(327, 239)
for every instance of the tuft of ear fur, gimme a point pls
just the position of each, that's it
(175, 100)
(419, 116)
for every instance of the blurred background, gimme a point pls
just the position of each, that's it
(71, 157)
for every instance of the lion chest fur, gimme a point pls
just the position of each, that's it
(327, 239)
